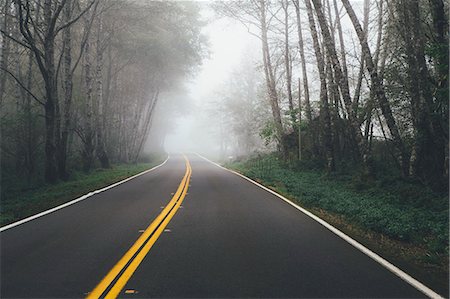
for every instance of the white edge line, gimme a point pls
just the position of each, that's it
(394, 269)
(83, 197)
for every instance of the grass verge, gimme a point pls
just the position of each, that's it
(19, 204)
(402, 221)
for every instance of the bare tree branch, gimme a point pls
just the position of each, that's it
(69, 23)
(22, 85)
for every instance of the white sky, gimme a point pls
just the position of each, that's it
(228, 41)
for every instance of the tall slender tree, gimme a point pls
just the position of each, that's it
(301, 48)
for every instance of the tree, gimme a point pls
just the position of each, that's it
(303, 61)
(323, 89)
(378, 88)
(41, 40)
(72, 67)
(429, 136)
(255, 14)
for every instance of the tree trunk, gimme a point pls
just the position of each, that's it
(51, 91)
(378, 90)
(146, 125)
(427, 160)
(369, 105)
(357, 94)
(323, 89)
(68, 88)
(4, 50)
(334, 116)
(88, 134)
(270, 80)
(333, 88)
(101, 151)
(303, 62)
(19, 95)
(107, 101)
(287, 64)
(341, 42)
(50, 116)
(441, 66)
(299, 120)
(355, 130)
(440, 24)
(30, 144)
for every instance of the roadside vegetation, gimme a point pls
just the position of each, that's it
(351, 99)
(339, 80)
(87, 83)
(19, 200)
(399, 218)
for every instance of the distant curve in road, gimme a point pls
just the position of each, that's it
(227, 238)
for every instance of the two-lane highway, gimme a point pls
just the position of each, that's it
(161, 235)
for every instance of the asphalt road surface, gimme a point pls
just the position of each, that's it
(219, 236)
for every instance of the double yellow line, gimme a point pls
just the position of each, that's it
(118, 276)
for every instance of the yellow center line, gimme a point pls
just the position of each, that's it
(144, 243)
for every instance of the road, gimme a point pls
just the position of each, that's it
(217, 235)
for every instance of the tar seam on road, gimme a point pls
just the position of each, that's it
(112, 284)
(383, 262)
(81, 198)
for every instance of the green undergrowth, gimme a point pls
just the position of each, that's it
(403, 211)
(18, 203)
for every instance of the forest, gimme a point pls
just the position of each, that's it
(345, 97)
(81, 79)
(358, 84)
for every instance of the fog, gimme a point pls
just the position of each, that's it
(229, 44)
(195, 128)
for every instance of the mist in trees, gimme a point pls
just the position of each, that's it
(340, 83)
(81, 81)
(361, 83)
